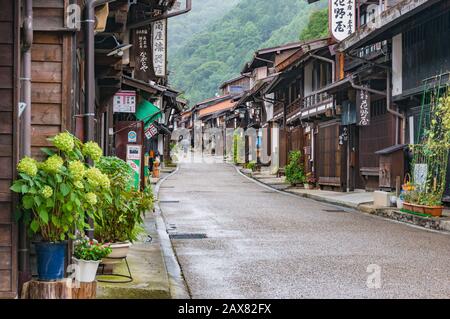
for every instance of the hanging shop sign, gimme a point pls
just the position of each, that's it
(132, 137)
(142, 43)
(343, 135)
(151, 132)
(362, 108)
(124, 102)
(134, 159)
(343, 18)
(159, 32)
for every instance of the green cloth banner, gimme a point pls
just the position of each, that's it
(148, 113)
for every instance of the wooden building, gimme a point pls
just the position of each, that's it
(307, 115)
(259, 106)
(9, 98)
(388, 68)
(235, 86)
(59, 74)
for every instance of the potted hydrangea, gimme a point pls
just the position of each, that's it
(57, 197)
(87, 255)
(119, 221)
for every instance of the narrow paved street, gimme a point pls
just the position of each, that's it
(264, 244)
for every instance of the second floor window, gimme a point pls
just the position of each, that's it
(321, 76)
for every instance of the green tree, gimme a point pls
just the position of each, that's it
(317, 26)
(218, 50)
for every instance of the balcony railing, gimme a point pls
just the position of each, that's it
(316, 99)
(304, 107)
(316, 103)
(278, 111)
(293, 109)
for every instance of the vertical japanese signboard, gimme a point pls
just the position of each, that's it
(142, 53)
(159, 31)
(342, 17)
(362, 108)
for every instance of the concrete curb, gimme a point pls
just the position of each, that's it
(425, 223)
(178, 287)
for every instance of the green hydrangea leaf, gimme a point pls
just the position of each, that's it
(43, 214)
(28, 202)
(65, 189)
(48, 151)
(34, 226)
(16, 187)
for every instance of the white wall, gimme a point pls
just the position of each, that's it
(397, 65)
(275, 147)
(269, 107)
(308, 78)
(261, 73)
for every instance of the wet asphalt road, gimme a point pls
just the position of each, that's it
(263, 244)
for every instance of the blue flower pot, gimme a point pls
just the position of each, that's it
(50, 260)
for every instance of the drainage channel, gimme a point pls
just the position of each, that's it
(335, 211)
(179, 236)
(169, 201)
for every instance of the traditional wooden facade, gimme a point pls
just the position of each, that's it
(259, 106)
(304, 113)
(9, 98)
(58, 72)
(382, 73)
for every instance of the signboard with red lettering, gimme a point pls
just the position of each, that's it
(124, 102)
(342, 18)
(151, 131)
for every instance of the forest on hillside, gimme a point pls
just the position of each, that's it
(203, 12)
(217, 50)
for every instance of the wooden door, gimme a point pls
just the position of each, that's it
(8, 98)
(328, 155)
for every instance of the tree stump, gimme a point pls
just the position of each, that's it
(58, 290)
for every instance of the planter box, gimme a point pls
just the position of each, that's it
(435, 211)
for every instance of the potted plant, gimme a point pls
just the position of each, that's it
(251, 166)
(424, 194)
(423, 203)
(88, 255)
(120, 216)
(310, 181)
(58, 194)
(294, 170)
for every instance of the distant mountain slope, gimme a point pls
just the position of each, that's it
(292, 31)
(219, 51)
(184, 27)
